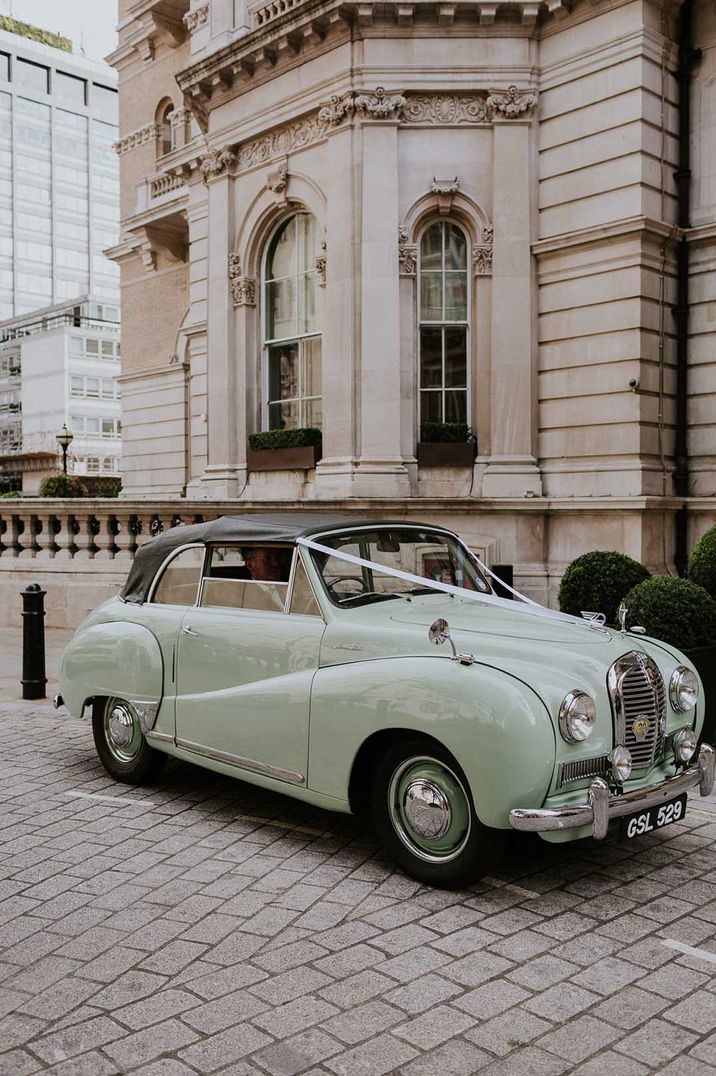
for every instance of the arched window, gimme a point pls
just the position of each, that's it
(292, 328)
(165, 139)
(444, 329)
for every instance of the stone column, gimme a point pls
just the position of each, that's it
(341, 394)
(381, 470)
(225, 472)
(511, 469)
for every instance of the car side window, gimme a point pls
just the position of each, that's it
(303, 600)
(247, 577)
(179, 582)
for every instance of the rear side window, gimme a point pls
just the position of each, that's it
(179, 582)
(254, 576)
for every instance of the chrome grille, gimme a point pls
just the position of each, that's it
(583, 767)
(636, 689)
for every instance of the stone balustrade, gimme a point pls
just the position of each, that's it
(265, 12)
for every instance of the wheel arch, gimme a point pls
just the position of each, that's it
(368, 753)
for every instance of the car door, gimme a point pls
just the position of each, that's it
(244, 672)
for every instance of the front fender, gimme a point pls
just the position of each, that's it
(497, 727)
(116, 658)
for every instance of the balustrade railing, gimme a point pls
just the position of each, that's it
(104, 532)
(265, 12)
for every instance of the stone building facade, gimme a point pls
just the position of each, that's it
(362, 216)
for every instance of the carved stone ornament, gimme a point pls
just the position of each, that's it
(321, 262)
(407, 255)
(482, 254)
(445, 109)
(280, 142)
(277, 181)
(196, 18)
(243, 291)
(380, 105)
(136, 138)
(216, 162)
(446, 189)
(338, 109)
(512, 103)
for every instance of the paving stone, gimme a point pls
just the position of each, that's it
(608, 975)
(421, 995)
(698, 1012)
(128, 988)
(375, 1058)
(673, 981)
(630, 1007)
(363, 1021)
(414, 963)
(223, 1012)
(295, 1054)
(60, 1045)
(501, 1034)
(491, 998)
(282, 988)
(217, 983)
(89, 1064)
(705, 1051)
(220, 1051)
(561, 1002)
(542, 972)
(294, 1016)
(357, 988)
(616, 1065)
(530, 1061)
(580, 1038)
(152, 1010)
(143, 1046)
(656, 1042)
(18, 1063)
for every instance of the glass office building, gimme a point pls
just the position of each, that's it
(59, 178)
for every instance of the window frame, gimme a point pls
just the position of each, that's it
(299, 338)
(443, 325)
(165, 564)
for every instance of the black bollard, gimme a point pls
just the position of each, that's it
(34, 680)
(505, 574)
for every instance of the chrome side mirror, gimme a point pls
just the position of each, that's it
(439, 631)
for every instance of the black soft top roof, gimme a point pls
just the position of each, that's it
(267, 527)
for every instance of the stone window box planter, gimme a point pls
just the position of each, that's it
(446, 453)
(704, 658)
(283, 459)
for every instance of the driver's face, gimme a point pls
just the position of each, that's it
(264, 564)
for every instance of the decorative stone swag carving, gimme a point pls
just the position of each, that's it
(511, 104)
(338, 109)
(482, 254)
(193, 19)
(321, 262)
(243, 288)
(446, 109)
(381, 106)
(407, 255)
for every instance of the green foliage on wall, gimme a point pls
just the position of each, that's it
(45, 37)
(302, 437)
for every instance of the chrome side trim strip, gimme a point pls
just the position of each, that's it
(163, 737)
(244, 763)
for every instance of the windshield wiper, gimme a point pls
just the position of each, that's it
(380, 595)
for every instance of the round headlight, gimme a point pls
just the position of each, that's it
(577, 715)
(683, 689)
(685, 744)
(620, 760)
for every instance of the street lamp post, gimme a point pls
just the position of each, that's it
(64, 440)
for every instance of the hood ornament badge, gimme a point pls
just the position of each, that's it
(595, 618)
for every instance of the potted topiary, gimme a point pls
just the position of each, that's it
(682, 614)
(596, 582)
(446, 444)
(284, 450)
(62, 485)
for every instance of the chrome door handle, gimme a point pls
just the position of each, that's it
(189, 631)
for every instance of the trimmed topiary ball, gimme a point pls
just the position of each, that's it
(702, 566)
(675, 610)
(597, 582)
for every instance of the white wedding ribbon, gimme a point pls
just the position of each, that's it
(529, 608)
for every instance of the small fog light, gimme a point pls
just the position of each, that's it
(684, 744)
(620, 759)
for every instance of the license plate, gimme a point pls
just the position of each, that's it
(636, 825)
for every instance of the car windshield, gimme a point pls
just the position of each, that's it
(428, 554)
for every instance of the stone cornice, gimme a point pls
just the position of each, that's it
(600, 233)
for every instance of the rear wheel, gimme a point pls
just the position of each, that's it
(120, 742)
(424, 814)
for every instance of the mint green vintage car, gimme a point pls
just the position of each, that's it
(369, 666)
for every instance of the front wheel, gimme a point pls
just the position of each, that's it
(121, 746)
(424, 815)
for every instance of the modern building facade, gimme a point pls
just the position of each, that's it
(59, 182)
(365, 217)
(59, 366)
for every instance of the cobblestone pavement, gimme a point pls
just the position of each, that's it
(202, 925)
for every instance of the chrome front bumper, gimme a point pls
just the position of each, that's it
(601, 807)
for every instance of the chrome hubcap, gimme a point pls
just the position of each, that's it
(427, 809)
(121, 730)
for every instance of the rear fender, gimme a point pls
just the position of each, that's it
(119, 659)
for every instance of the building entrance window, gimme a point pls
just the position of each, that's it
(292, 327)
(444, 311)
